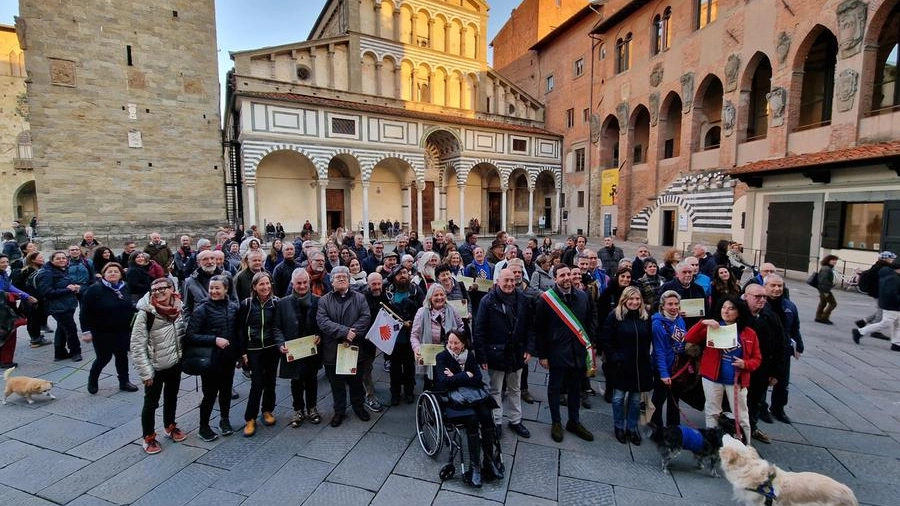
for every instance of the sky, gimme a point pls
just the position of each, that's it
(251, 25)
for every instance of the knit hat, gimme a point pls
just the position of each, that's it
(886, 255)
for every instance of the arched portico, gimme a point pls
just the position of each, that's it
(25, 203)
(290, 185)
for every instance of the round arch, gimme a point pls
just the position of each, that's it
(286, 190)
(639, 130)
(25, 204)
(669, 126)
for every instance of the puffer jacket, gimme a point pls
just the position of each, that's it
(52, 285)
(158, 348)
(212, 319)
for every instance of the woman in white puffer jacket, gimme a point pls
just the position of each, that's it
(156, 352)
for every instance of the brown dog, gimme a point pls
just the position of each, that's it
(25, 386)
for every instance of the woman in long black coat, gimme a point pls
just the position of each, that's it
(106, 314)
(626, 339)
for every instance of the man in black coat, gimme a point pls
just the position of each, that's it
(770, 334)
(684, 285)
(501, 346)
(561, 351)
(282, 273)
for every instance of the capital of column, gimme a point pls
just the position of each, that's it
(322, 183)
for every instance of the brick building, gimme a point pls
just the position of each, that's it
(124, 115)
(388, 111)
(796, 101)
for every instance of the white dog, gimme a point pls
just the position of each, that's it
(757, 482)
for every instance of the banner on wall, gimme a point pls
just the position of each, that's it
(609, 182)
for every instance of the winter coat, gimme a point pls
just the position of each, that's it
(542, 279)
(212, 319)
(888, 289)
(787, 313)
(281, 277)
(826, 279)
(161, 253)
(668, 341)
(444, 383)
(103, 312)
(626, 344)
(294, 321)
(693, 291)
(256, 327)
(158, 348)
(609, 258)
(81, 271)
(552, 338)
(711, 360)
(51, 284)
(196, 290)
(770, 336)
(501, 339)
(335, 316)
(138, 279)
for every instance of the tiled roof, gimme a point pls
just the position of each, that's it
(861, 153)
(394, 111)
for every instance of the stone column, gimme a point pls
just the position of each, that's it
(430, 33)
(405, 207)
(323, 212)
(398, 82)
(462, 207)
(397, 25)
(503, 192)
(462, 41)
(379, 68)
(419, 208)
(365, 192)
(331, 70)
(377, 7)
(531, 211)
(558, 211)
(441, 194)
(251, 204)
(413, 24)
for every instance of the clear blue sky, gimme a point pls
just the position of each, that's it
(260, 23)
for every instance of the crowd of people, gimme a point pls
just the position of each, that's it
(213, 306)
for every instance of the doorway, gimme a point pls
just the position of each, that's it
(427, 208)
(334, 209)
(548, 214)
(494, 216)
(668, 227)
(788, 240)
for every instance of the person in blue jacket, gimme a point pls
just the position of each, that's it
(668, 341)
(60, 294)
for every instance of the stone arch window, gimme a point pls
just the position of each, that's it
(661, 35)
(623, 53)
(24, 153)
(670, 127)
(713, 138)
(886, 93)
(817, 90)
(758, 106)
(707, 12)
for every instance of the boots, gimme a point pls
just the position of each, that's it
(493, 469)
(473, 476)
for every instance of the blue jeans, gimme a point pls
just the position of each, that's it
(621, 419)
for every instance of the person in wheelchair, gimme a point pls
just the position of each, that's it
(432, 324)
(457, 367)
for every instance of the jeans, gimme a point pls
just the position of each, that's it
(307, 386)
(66, 335)
(713, 407)
(264, 366)
(339, 385)
(570, 379)
(217, 384)
(494, 381)
(166, 383)
(827, 303)
(626, 417)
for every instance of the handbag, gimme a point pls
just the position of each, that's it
(465, 396)
(197, 360)
(686, 383)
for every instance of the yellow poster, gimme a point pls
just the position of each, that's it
(609, 182)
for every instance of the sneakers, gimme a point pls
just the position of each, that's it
(250, 428)
(856, 335)
(37, 343)
(268, 418)
(556, 432)
(151, 445)
(174, 433)
(225, 427)
(207, 434)
(761, 436)
(373, 405)
(579, 430)
(297, 419)
(312, 414)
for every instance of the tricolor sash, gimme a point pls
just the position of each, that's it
(565, 314)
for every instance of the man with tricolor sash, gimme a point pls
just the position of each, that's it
(564, 336)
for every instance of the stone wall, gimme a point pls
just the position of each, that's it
(14, 174)
(124, 100)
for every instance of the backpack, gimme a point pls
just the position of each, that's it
(868, 282)
(148, 320)
(813, 280)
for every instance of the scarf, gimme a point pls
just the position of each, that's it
(170, 310)
(115, 287)
(316, 283)
(459, 357)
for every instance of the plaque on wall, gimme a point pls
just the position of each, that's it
(62, 72)
(134, 139)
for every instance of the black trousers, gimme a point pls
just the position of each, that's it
(217, 384)
(403, 369)
(66, 335)
(341, 382)
(756, 393)
(37, 316)
(663, 396)
(568, 378)
(165, 383)
(780, 390)
(107, 346)
(305, 390)
(263, 367)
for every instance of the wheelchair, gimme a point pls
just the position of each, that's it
(434, 430)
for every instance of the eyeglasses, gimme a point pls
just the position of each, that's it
(761, 296)
(160, 289)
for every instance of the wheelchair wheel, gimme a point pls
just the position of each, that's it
(447, 472)
(429, 424)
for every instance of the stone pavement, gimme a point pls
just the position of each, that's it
(85, 450)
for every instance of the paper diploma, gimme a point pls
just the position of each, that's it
(464, 280)
(693, 307)
(484, 285)
(460, 306)
(346, 359)
(723, 338)
(301, 347)
(429, 353)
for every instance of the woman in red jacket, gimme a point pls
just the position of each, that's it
(727, 371)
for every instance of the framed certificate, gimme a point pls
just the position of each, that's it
(693, 307)
(460, 306)
(301, 347)
(429, 353)
(347, 357)
(723, 338)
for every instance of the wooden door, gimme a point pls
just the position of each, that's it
(788, 235)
